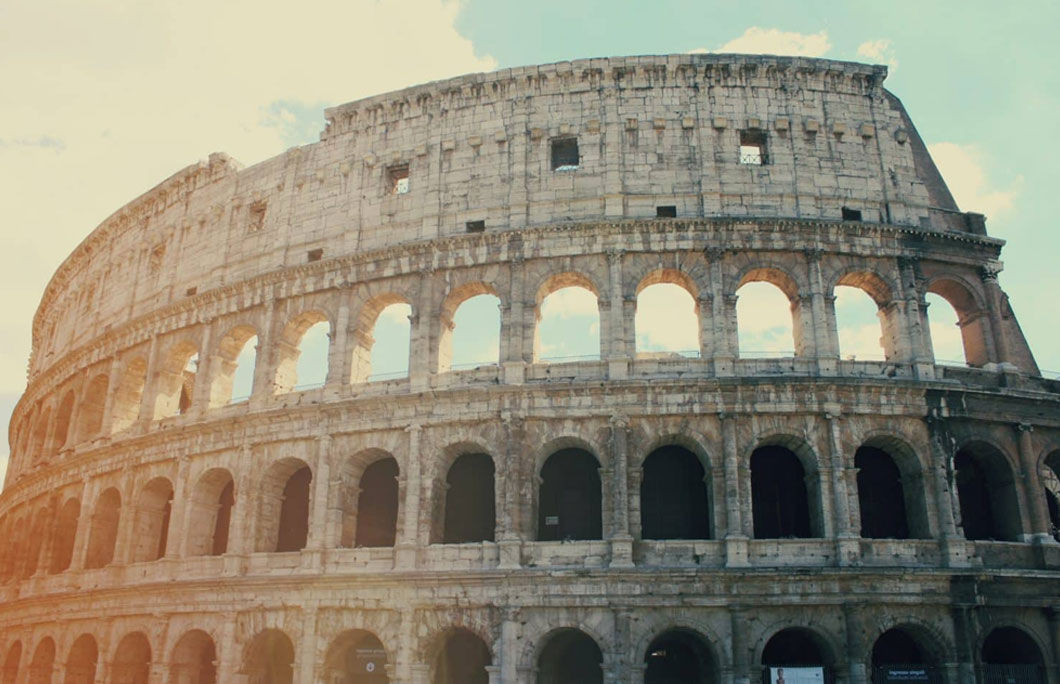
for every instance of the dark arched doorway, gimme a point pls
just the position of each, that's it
(796, 656)
(462, 659)
(898, 657)
(779, 501)
(470, 514)
(673, 496)
(678, 657)
(1010, 656)
(356, 657)
(570, 657)
(881, 497)
(569, 499)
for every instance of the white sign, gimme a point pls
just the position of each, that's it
(796, 675)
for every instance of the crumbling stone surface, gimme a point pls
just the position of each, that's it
(152, 530)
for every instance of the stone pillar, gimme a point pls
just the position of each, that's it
(127, 516)
(318, 513)
(108, 403)
(509, 646)
(911, 282)
(241, 533)
(963, 639)
(147, 399)
(265, 357)
(176, 540)
(994, 298)
(825, 347)
(740, 645)
(1052, 614)
(509, 532)
(339, 355)
(955, 549)
(1038, 514)
(305, 662)
(406, 647)
(621, 541)
(736, 537)
(857, 652)
(84, 524)
(724, 338)
(229, 663)
(514, 329)
(200, 399)
(613, 335)
(422, 320)
(848, 550)
(407, 547)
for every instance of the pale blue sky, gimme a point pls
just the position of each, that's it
(103, 101)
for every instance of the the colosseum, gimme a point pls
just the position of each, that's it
(700, 517)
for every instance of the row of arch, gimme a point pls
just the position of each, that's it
(567, 655)
(675, 501)
(184, 376)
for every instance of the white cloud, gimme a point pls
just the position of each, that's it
(756, 40)
(764, 319)
(879, 51)
(666, 319)
(569, 302)
(963, 168)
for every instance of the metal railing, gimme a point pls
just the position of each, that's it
(472, 365)
(390, 375)
(768, 354)
(568, 359)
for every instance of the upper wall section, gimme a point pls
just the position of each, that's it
(426, 162)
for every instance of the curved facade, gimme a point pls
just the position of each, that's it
(626, 517)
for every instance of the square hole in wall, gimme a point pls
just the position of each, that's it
(315, 254)
(666, 211)
(475, 226)
(256, 216)
(398, 179)
(564, 154)
(753, 147)
(851, 214)
(191, 292)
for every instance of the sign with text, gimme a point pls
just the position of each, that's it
(796, 675)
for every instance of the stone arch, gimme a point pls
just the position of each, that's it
(176, 381)
(1011, 642)
(914, 480)
(364, 332)
(103, 530)
(39, 435)
(128, 395)
(800, 641)
(680, 654)
(153, 510)
(225, 363)
(289, 350)
(1049, 474)
(64, 534)
(676, 278)
(714, 642)
(82, 661)
(780, 278)
(63, 420)
(356, 656)
(269, 658)
(796, 489)
(676, 494)
(459, 655)
(987, 492)
(881, 292)
(891, 492)
(90, 411)
(194, 659)
(447, 318)
(553, 283)
(466, 501)
(12, 662)
(132, 660)
(568, 655)
(971, 316)
(934, 648)
(42, 666)
(371, 500)
(38, 527)
(283, 513)
(210, 513)
(880, 288)
(570, 495)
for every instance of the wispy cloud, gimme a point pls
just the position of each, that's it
(879, 51)
(964, 168)
(771, 41)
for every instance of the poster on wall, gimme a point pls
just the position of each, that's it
(796, 675)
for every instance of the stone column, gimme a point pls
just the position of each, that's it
(176, 541)
(736, 537)
(305, 663)
(200, 399)
(406, 646)
(994, 298)
(613, 335)
(955, 549)
(338, 354)
(724, 338)
(84, 525)
(824, 346)
(848, 550)
(621, 541)
(513, 353)
(112, 391)
(318, 514)
(127, 516)
(911, 283)
(857, 652)
(407, 547)
(228, 651)
(1052, 614)
(241, 534)
(422, 320)
(1032, 486)
(147, 399)
(740, 648)
(963, 638)
(265, 357)
(509, 646)
(509, 532)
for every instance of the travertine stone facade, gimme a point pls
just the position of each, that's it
(154, 531)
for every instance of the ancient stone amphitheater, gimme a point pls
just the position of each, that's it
(697, 517)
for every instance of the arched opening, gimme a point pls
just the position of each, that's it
(193, 659)
(211, 513)
(861, 325)
(469, 500)
(233, 373)
(43, 664)
(462, 659)
(950, 304)
(128, 395)
(674, 497)
(986, 493)
(667, 321)
(1050, 477)
(81, 665)
(1010, 655)
(570, 657)
(176, 380)
(796, 656)
(897, 656)
(679, 655)
(780, 503)
(269, 658)
(356, 657)
(34, 542)
(90, 413)
(881, 498)
(132, 660)
(302, 353)
(391, 339)
(377, 505)
(153, 512)
(103, 531)
(569, 505)
(11, 663)
(40, 435)
(568, 321)
(471, 330)
(63, 414)
(294, 512)
(765, 318)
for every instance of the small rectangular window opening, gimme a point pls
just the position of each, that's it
(398, 179)
(666, 211)
(851, 214)
(564, 154)
(476, 226)
(191, 292)
(256, 216)
(753, 147)
(315, 254)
